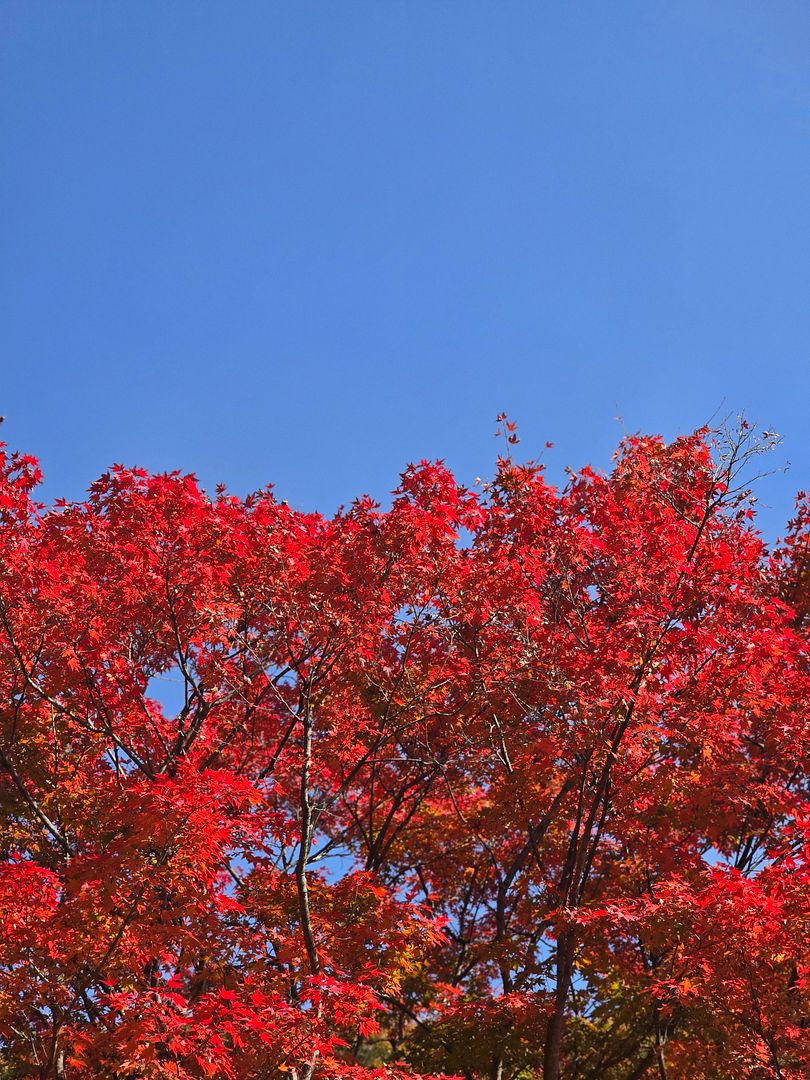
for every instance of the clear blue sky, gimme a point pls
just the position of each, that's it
(309, 242)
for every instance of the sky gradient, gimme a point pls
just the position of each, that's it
(307, 243)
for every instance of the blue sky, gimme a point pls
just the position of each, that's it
(309, 242)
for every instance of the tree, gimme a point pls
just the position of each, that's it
(504, 784)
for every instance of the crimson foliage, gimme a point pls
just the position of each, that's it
(499, 784)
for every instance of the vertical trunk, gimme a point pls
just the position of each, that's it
(301, 874)
(662, 1062)
(304, 851)
(659, 1050)
(552, 1054)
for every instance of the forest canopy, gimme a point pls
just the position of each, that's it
(504, 782)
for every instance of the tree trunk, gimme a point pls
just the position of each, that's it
(552, 1053)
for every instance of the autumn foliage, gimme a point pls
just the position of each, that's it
(496, 783)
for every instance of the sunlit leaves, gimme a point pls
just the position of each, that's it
(437, 787)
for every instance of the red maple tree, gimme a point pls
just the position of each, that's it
(504, 784)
